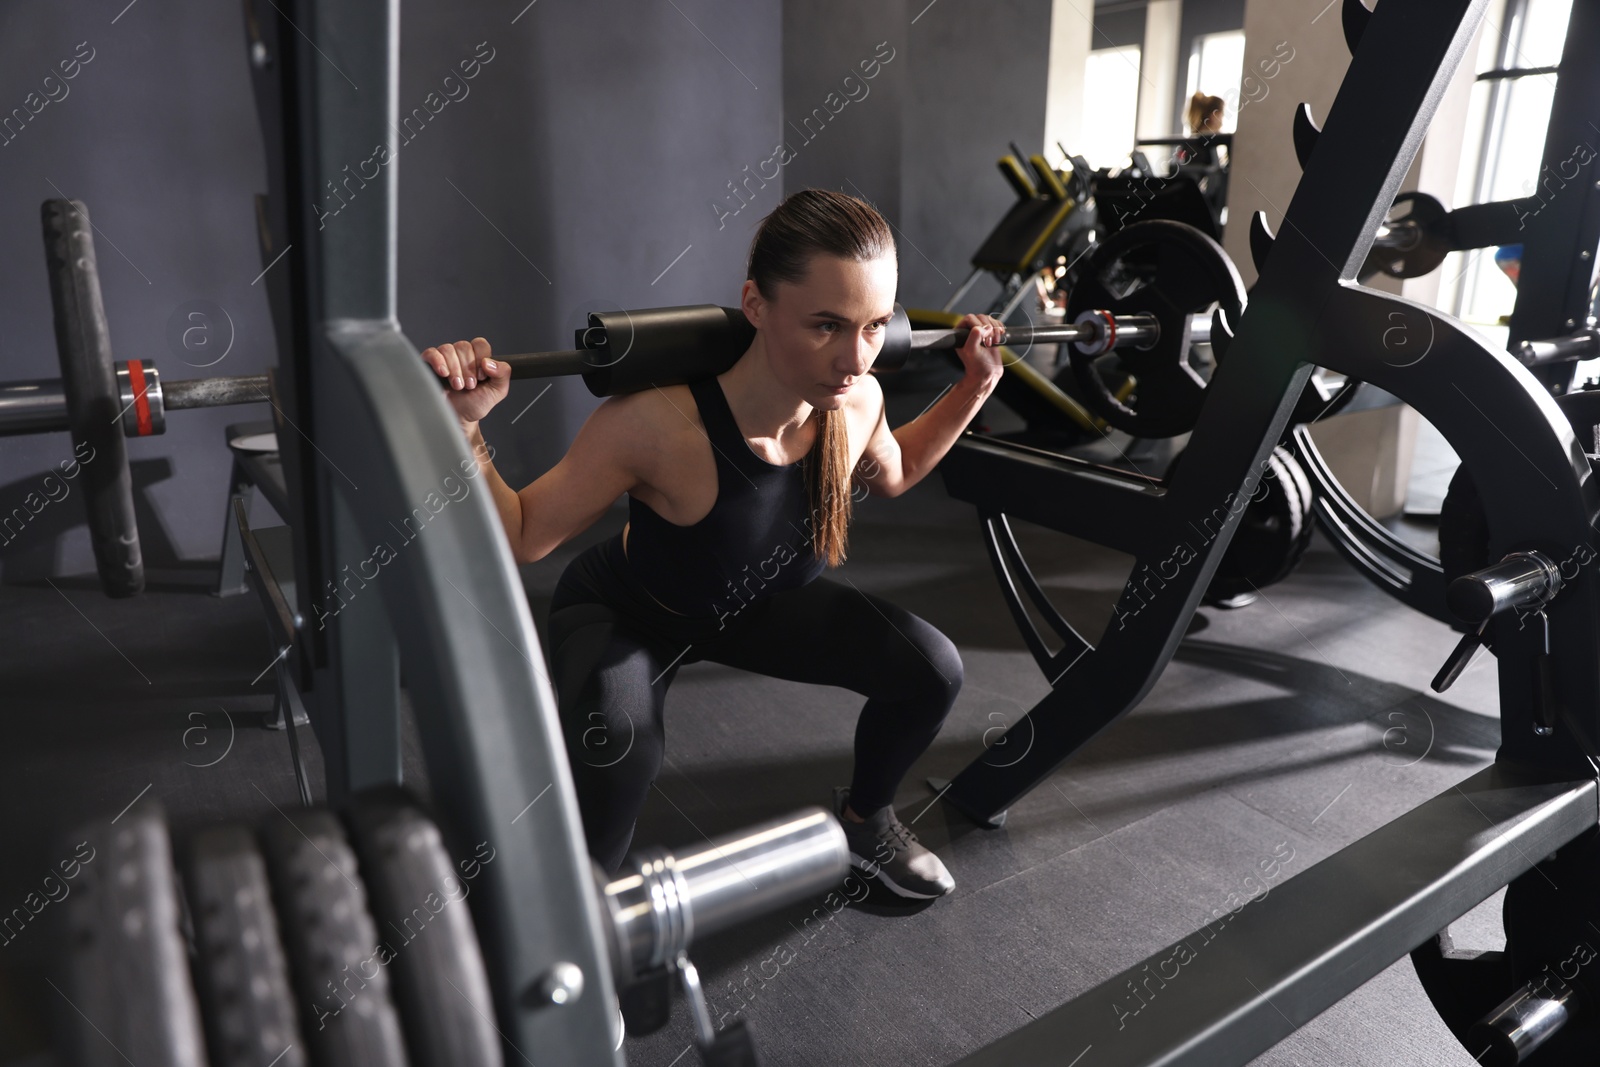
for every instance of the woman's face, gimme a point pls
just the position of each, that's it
(823, 332)
(1214, 121)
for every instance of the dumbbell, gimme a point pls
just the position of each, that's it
(101, 402)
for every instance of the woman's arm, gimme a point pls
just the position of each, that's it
(895, 460)
(568, 498)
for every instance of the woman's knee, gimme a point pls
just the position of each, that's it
(936, 674)
(613, 729)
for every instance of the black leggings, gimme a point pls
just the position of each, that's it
(611, 674)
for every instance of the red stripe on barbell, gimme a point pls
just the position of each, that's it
(141, 398)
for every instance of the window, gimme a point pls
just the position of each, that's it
(1511, 107)
(1110, 104)
(1216, 67)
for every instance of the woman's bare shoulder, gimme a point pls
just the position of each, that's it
(653, 426)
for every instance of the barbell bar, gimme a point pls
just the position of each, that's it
(626, 351)
(40, 405)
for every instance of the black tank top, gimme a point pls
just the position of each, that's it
(755, 541)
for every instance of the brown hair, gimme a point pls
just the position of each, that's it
(808, 223)
(1200, 108)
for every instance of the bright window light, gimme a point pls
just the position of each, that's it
(1216, 68)
(1110, 105)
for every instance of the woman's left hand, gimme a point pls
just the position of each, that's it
(981, 354)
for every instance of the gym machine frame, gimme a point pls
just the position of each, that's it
(1338, 924)
(1558, 239)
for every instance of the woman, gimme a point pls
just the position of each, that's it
(739, 497)
(1198, 158)
(1204, 116)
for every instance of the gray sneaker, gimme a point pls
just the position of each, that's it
(882, 848)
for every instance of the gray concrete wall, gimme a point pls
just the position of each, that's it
(843, 127)
(964, 104)
(922, 140)
(1118, 24)
(577, 170)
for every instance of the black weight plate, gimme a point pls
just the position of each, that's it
(340, 972)
(1432, 241)
(1273, 533)
(416, 895)
(126, 995)
(239, 967)
(83, 344)
(1169, 270)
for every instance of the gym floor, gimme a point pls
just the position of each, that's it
(1286, 729)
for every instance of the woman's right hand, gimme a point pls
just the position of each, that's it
(474, 382)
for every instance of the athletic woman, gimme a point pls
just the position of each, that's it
(739, 497)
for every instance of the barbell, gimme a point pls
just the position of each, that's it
(1146, 296)
(628, 351)
(99, 401)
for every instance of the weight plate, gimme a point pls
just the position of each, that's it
(339, 968)
(239, 966)
(94, 416)
(126, 995)
(1422, 224)
(440, 983)
(1273, 533)
(1169, 270)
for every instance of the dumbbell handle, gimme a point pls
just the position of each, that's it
(669, 900)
